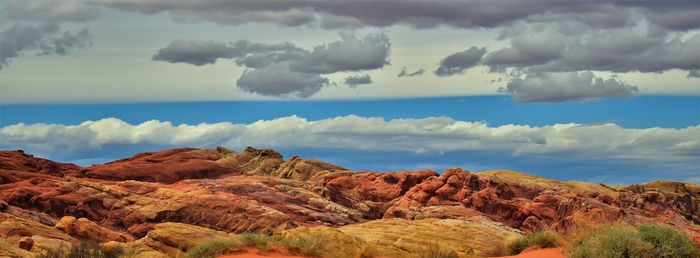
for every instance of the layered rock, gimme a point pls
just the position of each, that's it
(394, 237)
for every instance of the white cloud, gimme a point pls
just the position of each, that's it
(428, 135)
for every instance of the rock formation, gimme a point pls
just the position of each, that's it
(165, 202)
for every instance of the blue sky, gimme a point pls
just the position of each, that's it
(587, 90)
(640, 112)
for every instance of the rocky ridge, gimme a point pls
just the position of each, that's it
(148, 201)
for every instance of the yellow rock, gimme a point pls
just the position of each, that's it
(397, 237)
(335, 242)
(176, 238)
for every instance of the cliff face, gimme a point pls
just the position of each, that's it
(45, 203)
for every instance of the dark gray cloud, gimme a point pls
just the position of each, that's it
(355, 80)
(296, 72)
(194, 52)
(458, 62)
(674, 14)
(42, 39)
(575, 47)
(405, 73)
(564, 86)
(48, 10)
(279, 81)
(349, 54)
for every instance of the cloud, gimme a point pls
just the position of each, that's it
(278, 80)
(677, 15)
(355, 80)
(405, 73)
(349, 54)
(194, 52)
(19, 39)
(285, 70)
(48, 10)
(640, 47)
(557, 87)
(458, 62)
(588, 144)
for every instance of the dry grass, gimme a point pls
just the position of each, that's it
(436, 251)
(310, 247)
(85, 249)
(619, 239)
(541, 239)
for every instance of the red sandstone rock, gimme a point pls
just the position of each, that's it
(166, 166)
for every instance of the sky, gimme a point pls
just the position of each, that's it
(605, 91)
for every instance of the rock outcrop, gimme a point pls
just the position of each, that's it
(150, 201)
(167, 166)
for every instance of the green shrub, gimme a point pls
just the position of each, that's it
(311, 246)
(613, 241)
(667, 242)
(215, 248)
(83, 250)
(308, 246)
(436, 251)
(542, 239)
(258, 241)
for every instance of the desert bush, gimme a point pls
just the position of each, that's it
(308, 246)
(667, 242)
(85, 249)
(542, 239)
(613, 241)
(215, 248)
(436, 251)
(259, 241)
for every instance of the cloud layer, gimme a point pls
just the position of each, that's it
(675, 14)
(592, 144)
(285, 70)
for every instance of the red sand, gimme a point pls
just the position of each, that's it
(254, 253)
(540, 253)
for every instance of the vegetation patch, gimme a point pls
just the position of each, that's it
(308, 246)
(311, 246)
(85, 249)
(436, 251)
(646, 241)
(541, 239)
(214, 248)
(667, 242)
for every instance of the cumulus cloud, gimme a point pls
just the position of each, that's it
(458, 62)
(283, 69)
(278, 80)
(585, 143)
(640, 47)
(349, 54)
(43, 39)
(355, 80)
(419, 14)
(405, 73)
(557, 87)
